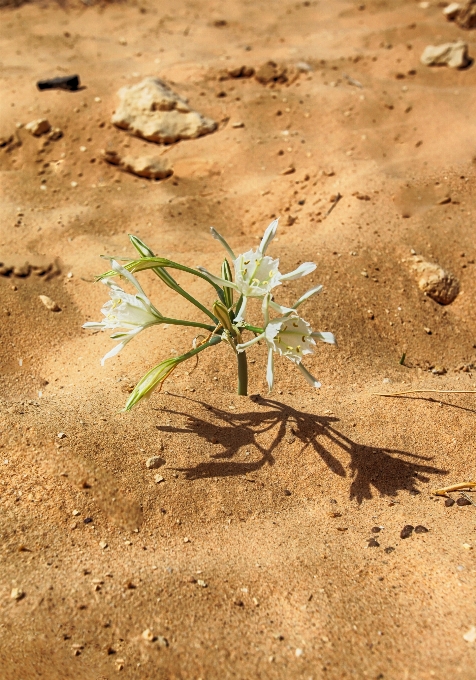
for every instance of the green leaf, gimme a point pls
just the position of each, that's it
(158, 374)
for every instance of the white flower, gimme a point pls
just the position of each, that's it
(256, 274)
(131, 313)
(291, 337)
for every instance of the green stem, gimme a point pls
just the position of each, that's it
(181, 322)
(242, 374)
(172, 283)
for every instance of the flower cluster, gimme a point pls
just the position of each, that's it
(256, 275)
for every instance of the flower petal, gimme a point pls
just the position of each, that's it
(240, 316)
(310, 379)
(270, 369)
(268, 236)
(217, 279)
(303, 270)
(307, 295)
(220, 238)
(325, 337)
(280, 309)
(244, 345)
(117, 348)
(97, 325)
(127, 275)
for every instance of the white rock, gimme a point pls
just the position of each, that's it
(151, 167)
(38, 127)
(454, 55)
(451, 11)
(153, 111)
(49, 303)
(470, 636)
(438, 284)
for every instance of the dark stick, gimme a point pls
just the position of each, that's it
(336, 201)
(62, 83)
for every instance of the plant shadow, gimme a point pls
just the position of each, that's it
(387, 470)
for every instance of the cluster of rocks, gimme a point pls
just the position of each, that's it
(42, 126)
(151, 110)
(463, 14)
(41, 266)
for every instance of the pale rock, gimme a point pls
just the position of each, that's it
(470, 635)
(154, 462)
(454, 55)
(150, 167)
(38, 127)
(17, 594)
(150, 109)
(437, 283)
(49, 303)
(54, 134)
(452, 10)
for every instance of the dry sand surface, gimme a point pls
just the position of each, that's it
(252, 559)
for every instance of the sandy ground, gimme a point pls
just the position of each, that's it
(252, 558)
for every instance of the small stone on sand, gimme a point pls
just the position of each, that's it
(454, 55)
(49, 303)
(154, 462)
(38, 127)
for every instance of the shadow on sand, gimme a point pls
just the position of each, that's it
(387, 470)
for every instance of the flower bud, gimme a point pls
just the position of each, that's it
(228, 276)
(221, 313)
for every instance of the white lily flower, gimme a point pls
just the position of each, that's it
(291, 337)
(125, 312)
(256, 274)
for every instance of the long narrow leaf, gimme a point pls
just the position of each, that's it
(156, 376)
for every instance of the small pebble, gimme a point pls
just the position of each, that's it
(186, 540)
(287, 492)
(420, 529)
(76, 513)
(17, 594)
(238, 603)
(103, 545)
(158, 479)
(463, 501)
(376, 530)
(201, 583)
(154, 462)
(148, 635)
(407, 531)
(49, 303)
(372, 543)
(61, 435)
(449, 502)
(88, 520)
(467, 546)
(389, 550)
